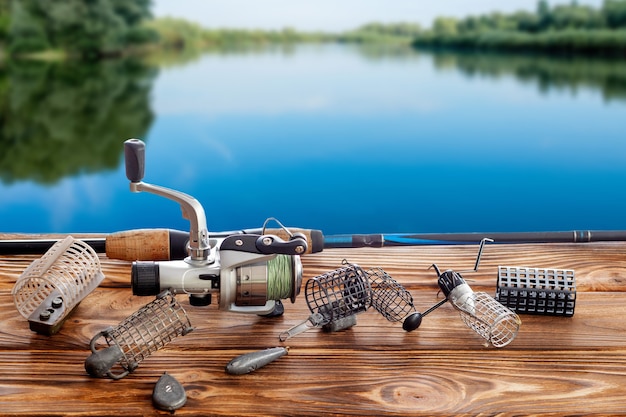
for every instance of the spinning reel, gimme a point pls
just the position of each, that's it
(251, 272)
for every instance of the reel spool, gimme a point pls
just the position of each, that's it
(138, 336)
(252, 286)
(52, 286)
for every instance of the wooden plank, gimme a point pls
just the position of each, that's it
(555, 365)
(593, 327)
(318, 381)
(598, 266)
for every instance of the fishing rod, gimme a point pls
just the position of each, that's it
(413, 239)
(149, 244)
(169, 244)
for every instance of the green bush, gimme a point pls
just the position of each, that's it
(27, 45)
(563, 29)
(141, 35)
(5, 23)
(571, 41)
(88, 29)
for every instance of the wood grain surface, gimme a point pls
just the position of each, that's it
(555, 366)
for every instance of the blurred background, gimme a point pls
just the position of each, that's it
(358, 117)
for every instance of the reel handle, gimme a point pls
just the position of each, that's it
(135, 156)
(199, 246)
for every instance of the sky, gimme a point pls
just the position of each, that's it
(331, 15)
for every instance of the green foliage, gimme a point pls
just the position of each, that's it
(566, 29)
(402, 29)
(140, 36)
(570, 41)
(445, 26)
(5, 19)
(614, 12)
(132, 12)
(87, 28)
(379, 32)
(27, 32)
(576, 17)
(62, 119)
(176, 33)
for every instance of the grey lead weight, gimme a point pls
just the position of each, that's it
(252, 361)
(168, 394)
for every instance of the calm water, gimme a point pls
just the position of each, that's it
(336, 138)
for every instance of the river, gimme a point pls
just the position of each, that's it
(342, 138)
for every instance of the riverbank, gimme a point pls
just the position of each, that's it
(602, 42)
(178, 35)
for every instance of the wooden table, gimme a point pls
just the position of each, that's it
(556, 365)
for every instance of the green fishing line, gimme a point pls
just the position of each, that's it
(279, 277)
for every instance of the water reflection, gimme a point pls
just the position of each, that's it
(390, 123)
(169, 58)
(61, 119)
(547, 73)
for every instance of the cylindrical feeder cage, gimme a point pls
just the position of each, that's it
(53, 285)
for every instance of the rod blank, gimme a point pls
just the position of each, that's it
(409, 239)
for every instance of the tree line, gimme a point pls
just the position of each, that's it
(611, 15)
(97, 28)
(88, 29)
(175, 33)
(566, 28)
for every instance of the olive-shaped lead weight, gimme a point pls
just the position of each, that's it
(249, 362)
(413, 321)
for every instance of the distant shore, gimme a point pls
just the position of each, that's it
(562, 29)
(607, 43)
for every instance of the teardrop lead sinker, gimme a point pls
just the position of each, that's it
(168, 394)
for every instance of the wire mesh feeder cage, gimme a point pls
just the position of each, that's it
(389, 297)
(138, 336)
(491, 320)
(53, 285)
(339, 294)
(336, 297)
